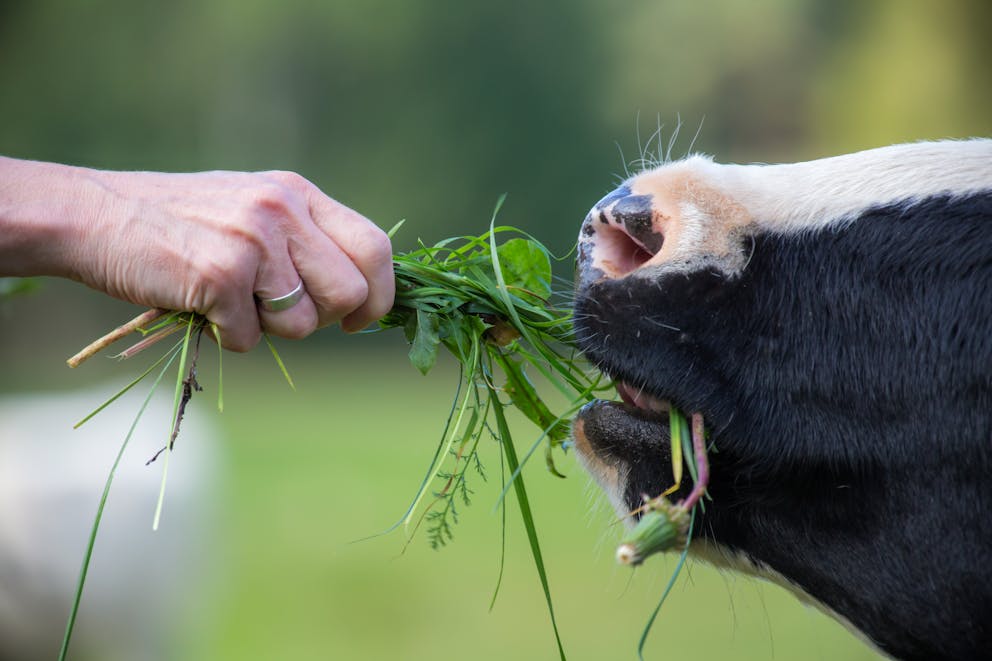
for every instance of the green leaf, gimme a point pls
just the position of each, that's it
(423, 351)
(526, 266)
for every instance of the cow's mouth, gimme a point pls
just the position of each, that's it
(625, 444)
(619, 431)
(638, 398)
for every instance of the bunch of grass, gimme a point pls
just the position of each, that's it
(488, 301)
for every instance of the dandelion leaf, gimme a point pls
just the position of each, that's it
(526, 266)
(423, 351)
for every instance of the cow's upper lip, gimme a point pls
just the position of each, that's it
(638, 398)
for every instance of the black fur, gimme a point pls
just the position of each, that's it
(846, 376)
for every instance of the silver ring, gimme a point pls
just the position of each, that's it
(283, 302)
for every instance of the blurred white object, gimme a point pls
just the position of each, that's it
(141, 583)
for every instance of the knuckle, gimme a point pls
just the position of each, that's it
(226, 270)
(347, 296)
(249, 233)
(371, 250)
(212, 278)
(289, 179)
(379, 247)
(353, 294)
(218, 283)
(272, 198)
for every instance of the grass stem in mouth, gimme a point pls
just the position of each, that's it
(662, 524)
(702, 463)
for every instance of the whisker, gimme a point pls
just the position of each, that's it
(673, 138)
(698, 131)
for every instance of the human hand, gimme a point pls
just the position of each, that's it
(211, 242)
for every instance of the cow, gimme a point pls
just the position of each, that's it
(831, 321)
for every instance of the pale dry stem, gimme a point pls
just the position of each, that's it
(144, 319)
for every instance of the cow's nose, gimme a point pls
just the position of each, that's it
(618, 236)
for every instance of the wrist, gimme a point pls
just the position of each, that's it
(48, 214)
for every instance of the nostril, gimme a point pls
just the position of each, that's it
(617, 252)
(636, 215)
(619, 235)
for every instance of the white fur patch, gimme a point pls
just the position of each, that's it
(798, 196)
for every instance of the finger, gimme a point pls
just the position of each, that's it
(368, 248)
(237, 321)
(334, 283)
(278, 277)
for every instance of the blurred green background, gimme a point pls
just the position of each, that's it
(428, 110)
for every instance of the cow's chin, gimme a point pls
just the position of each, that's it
(626, 449)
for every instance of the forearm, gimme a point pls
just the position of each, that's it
(46, 211)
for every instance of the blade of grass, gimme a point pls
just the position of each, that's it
(502, 533)
(531, 451)
(282, 367)
(220, 367)
(184, 355)
(675, 429)
(687, 452)
(525, 512)
(675, 421)
(70, 624)
(126, 388)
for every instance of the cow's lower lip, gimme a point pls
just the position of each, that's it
(619, 433)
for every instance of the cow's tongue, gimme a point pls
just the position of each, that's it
(639, 399)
